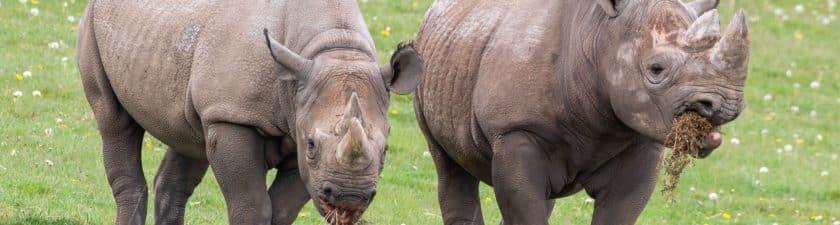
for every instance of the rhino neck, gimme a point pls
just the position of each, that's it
(312, 27)
(583, 69)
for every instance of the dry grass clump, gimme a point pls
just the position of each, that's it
(685, 140)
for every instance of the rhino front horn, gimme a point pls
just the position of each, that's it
(702, 34)
(733, 50)
(351, 150)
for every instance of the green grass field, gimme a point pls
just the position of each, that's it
(51, 168)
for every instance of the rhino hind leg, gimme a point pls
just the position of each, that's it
(174, 183)
(458, 193)
(520, 178)
(121, 136)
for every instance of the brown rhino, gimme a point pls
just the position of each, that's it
(206, 79)
(542, 99)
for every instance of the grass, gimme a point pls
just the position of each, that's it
(71, 187)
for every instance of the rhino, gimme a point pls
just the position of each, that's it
(542, 99)
(210, 81)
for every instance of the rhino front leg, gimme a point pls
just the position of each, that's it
(457, 191)
(236, 155)
(288, 196)
(174, 183)
(622, 187)
(520, 179)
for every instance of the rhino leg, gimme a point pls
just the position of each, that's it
(238, 161)
(549, 204)
(122, 137)
(175, 181)
(520, 179)
(457, 190)
(288, 196)
(622, 187)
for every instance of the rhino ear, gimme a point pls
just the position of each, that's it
(609, 7)
(405, 71)
(296, 65)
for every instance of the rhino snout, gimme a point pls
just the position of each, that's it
(716, 108)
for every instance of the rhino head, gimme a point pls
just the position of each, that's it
(671, 58)
(341, 128)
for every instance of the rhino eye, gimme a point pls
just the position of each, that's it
(310, 144)
(656, 69)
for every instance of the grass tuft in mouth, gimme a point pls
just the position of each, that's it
(685, 140)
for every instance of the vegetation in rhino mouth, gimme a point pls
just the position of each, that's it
(685, 140)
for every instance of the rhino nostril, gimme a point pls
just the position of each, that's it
(704, 107)
(328, 192)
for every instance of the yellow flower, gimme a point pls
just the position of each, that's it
(385, 33)
(778, 140)
(798, 35)
(40, 67)
(303, 214)
(487, 200)
(34, 2)
(725, 216)
(18, 77)
(73, 28)
(149, 145)
(414, 4)
(395, 112)
(800, 141)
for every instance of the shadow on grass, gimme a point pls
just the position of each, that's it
(42, 221)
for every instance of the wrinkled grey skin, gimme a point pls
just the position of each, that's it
(542, 99)
(208, 80)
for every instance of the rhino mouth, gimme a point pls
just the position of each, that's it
(711, 140)
(336, 215)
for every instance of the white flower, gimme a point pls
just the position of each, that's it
(49, 162)
(48, 131)
(818, 218)
(826, 21)
(735, 141)
(34, 11)
(813, 113)
(756, 182)
(764, 131)
(797, 85)
(794, 108)
(64, 60)
(713, 196)
(833, 156)
(815, 84)
(789, 73)
(824, 173)
(14, 152)
(779, 151)
(799, 8)
(774, 224)
(836, 222)
(36, 93)
(778, 12)
(27, 73)
(54, 45)
(819, 137)
(768, 97)
(763, 170)
(71, 18)
(692, 188)
(788, 147)
(426, 154)
(17, 94)
(65, 4)
(59, 120)
(589, 200)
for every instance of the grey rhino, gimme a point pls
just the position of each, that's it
(206, 79)
(542, 99)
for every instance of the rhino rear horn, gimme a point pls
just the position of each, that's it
(733, 50)
(702, 34)
(298, 66)
(702, 6)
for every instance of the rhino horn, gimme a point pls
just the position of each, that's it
(702, 34)
(702, 6)
(733, 50)
(351, 150)
(290, 60)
